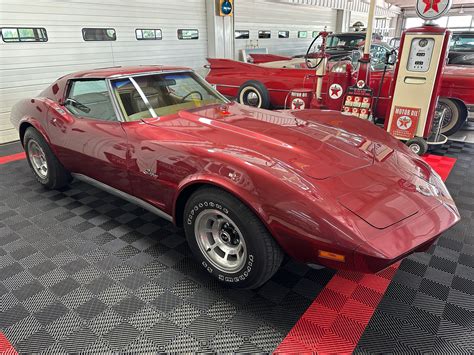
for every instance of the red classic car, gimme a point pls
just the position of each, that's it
(247, 184)
(267, 84)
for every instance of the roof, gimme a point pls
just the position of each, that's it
(123, 71)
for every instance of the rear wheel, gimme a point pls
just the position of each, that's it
(254, 93)
(228, 239)
(47, 169)
(454, 117)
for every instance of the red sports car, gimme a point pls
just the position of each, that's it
(268, 84)
(248, 185)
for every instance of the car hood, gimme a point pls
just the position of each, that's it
(314, 148)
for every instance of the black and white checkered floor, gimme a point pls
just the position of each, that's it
(83, 271)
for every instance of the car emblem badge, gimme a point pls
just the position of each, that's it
(149, 172)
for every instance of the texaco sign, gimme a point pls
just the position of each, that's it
(432, 9)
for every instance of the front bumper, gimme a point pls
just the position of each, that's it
(417, 235)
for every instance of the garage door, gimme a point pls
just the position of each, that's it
(286, 29)
(28, 66)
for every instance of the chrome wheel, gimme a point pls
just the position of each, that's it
(249, 96)
(448, 115)
(37, 159)
(220, 241)
(253, 99)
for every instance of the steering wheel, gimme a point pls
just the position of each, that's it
(306, 57)
(191, 93)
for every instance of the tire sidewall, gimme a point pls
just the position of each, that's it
(248, 89)
(252, 267)
(455, 123)
(32, 134)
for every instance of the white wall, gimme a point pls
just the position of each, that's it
(27, 68)
(255, 15)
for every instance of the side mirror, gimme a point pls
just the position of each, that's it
(355, 56)
(391, 57)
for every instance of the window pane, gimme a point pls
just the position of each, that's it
(413, 22)
(242, 34)
(166, 94)
(24, 35)
(99, 34)
(302, 34)
(90, 99)
(148, 34)
(459, 21)
(188, 34)
(264, 34)
(283, 34)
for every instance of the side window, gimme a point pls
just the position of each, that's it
(90, 99)
(377, 54)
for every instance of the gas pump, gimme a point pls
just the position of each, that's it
(414, 96)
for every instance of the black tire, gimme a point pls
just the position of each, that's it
(257, 88)
(263, 256)
(456, 116)
(417, 145)
(56, 176)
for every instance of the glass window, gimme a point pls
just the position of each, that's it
(283, 34)
(315, 34)
(242, 34)
(148, 34)
(264, 34)
(163, 94)
(188, 34)
(90, 99)
(459, 21)
(302, 34)
(462, 42)
(99, 34)
(24, 34)
(413, 22)
(345, 41)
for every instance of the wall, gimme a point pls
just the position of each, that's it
(27, 68)
(255, 15)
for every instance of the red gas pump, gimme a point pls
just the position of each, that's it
(414, 96)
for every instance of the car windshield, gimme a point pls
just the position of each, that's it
(344, 41)
(462, 42)
(155, 95)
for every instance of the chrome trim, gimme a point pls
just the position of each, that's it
(115, 104)
(235, 86)
(470, 112)
(132, 199)
(144, 98)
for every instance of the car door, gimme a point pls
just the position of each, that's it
(88, 136)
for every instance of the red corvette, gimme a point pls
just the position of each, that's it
(267, 84)
(248, 185)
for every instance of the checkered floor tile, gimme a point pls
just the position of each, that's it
(81, 270)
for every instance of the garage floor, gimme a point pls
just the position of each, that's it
(83, 271)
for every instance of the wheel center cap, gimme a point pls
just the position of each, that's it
(225, 236)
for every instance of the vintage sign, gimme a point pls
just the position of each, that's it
(297, 104)
(335, 91)
(404, 122)
(358, 101)
(432, 9)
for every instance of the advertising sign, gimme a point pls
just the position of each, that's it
(404, 122)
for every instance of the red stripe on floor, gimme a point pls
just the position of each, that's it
(6, 347)
(13, 157)
(337, 318)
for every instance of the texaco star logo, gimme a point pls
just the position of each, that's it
(335, 91)
(297, 104)
(404, 122)
(360, 84)
(432, 9)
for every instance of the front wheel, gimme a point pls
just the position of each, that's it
(47, 169)
(254, 93)
(228, 239)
